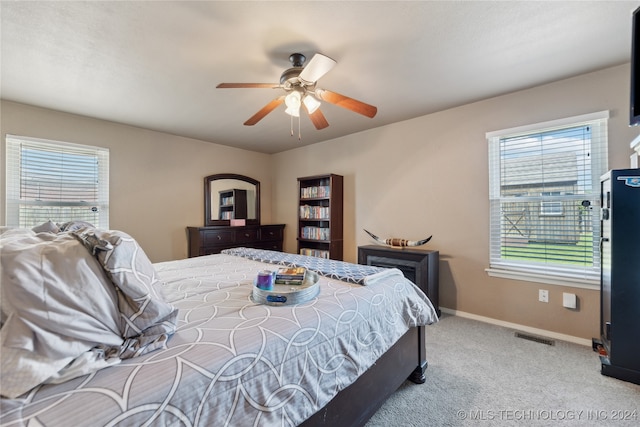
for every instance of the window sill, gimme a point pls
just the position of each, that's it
(571, 282)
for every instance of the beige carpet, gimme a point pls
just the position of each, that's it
(481, 374)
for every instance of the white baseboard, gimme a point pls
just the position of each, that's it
(535, 331)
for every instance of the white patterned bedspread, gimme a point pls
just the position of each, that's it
(233, 362)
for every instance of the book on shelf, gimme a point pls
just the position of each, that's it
(290, 275)
(226, 201)
(320, 191)
(315, 233)
(314, 212)
(318, 253)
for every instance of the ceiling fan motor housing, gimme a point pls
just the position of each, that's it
(297, 59)
(289, 78)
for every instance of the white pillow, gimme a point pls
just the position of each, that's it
(58, 304)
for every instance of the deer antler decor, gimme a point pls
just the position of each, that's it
(398, 243)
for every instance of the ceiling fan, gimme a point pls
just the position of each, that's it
(299, 83)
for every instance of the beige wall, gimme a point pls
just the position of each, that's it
(411, 179)
(156, 179)
(429, 175)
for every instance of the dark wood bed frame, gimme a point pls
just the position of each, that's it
(354, 405)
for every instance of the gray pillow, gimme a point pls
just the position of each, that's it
(150, 321)
(47, 227)
(75, 225)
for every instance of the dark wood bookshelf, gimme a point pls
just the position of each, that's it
(320, 210)
(233, 204)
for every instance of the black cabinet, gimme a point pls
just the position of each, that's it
(421, 266)
(620, 280)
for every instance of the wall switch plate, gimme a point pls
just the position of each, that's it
(543, 295)
(568, 300)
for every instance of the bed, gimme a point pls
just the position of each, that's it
(182, 343)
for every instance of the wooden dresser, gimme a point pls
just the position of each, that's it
(213, 239)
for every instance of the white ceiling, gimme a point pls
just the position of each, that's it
(156, 64)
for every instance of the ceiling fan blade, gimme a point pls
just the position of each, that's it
(317, 118)
(264, 111)
(248, 85)
(316, 68)
(346, 102)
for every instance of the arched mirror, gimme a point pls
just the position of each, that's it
(230, 196)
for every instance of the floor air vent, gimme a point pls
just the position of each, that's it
(534, 338)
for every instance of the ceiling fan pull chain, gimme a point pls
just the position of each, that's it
(291, 125)
(299, 133)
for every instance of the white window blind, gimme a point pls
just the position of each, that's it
(57, 181)
(544, 190)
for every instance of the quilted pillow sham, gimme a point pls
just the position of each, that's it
(147, 321)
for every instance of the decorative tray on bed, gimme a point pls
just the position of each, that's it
(288, 294)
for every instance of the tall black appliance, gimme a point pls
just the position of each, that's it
(619, 344)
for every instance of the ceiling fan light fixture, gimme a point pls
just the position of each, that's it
(294, 112)
(292, 101)
(311, 103)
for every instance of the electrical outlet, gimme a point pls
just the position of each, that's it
(543, 295)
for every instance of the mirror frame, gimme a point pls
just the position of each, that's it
(208, 221)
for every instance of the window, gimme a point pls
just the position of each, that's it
(57, 181)
(544, 191)
(548, 207)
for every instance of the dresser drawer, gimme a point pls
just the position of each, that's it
(246, 235)
(218, 237)
(273, 245)
(212, 240)
(271, 233)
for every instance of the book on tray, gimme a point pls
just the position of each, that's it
(290, 275)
